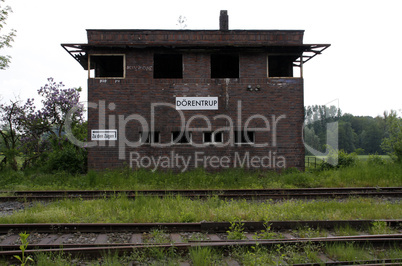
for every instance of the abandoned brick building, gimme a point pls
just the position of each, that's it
(181, 99)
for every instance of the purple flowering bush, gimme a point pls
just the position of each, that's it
(41, 132)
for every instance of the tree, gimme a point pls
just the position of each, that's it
(9, 133)
(393, 143)
(5, 39)
(40, 134)
(43, 130)
(311, 139)
(347, 137)
(321, 122)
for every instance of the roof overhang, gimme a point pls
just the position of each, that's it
(302, 53)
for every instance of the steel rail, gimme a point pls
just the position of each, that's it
(333, 239)
(223, 194)
(358, 239)
(217, 227)
(206, 191)
(99, 249)
(383, 262)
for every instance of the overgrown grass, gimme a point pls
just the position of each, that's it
(380, 227)
(149, 256)
(254, 255)
(278, 254)
(308, 232)
(348, 252)
(178, 209)
(354, 252)
(201, 256)
(360, 175)
(346, 230)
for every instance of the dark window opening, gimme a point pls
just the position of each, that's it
(207, 137)
(213, 137)
(244, 137)
(108, 66)
(151, 137)
(168, 66)
(224, 66)
(218, 137)
(185, 137)
(280, 66)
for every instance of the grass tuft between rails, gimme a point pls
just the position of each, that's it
(120, 209)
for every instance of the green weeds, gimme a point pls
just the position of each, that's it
(54, 259)
(308, 232)
(348, 252)
(236, 231)
(267, 233)
(363, 173)
(158, 236)
(24, 244)
(196, 237)
(279, 254)
(201, 256)
(120, 209)
(346, 230)
(154, 256)
(380, 227)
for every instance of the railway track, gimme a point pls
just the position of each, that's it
(59, 238)
(262, 194)
(96, 240)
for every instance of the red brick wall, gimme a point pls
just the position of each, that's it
(135, 93)
(196, 37)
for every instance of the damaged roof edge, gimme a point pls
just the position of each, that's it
(187, 30)
(305, 51)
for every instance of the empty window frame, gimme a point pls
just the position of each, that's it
(212, 137)
(181, 137)
(224, 66)
(151, 137)
(108, 66)
(280, 66)
(168, 66)
(244, 137)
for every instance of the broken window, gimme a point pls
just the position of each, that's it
(151, 137)
(244, 137)
(213, 137)
(107, 66)
(181, 137)
(224, 66)
(280, 66)
(168, 66)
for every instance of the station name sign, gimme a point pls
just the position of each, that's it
(104, 134)
(196, 103)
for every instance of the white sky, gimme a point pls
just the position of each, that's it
(361, 69)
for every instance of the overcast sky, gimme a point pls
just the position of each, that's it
(361, 70)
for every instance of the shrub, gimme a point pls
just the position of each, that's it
(69, 159)
(393, 143)
(339, 159)
(375, 159)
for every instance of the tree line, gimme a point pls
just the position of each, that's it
(360, 134)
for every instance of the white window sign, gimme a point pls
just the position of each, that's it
(196, 103)
(104, 134)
